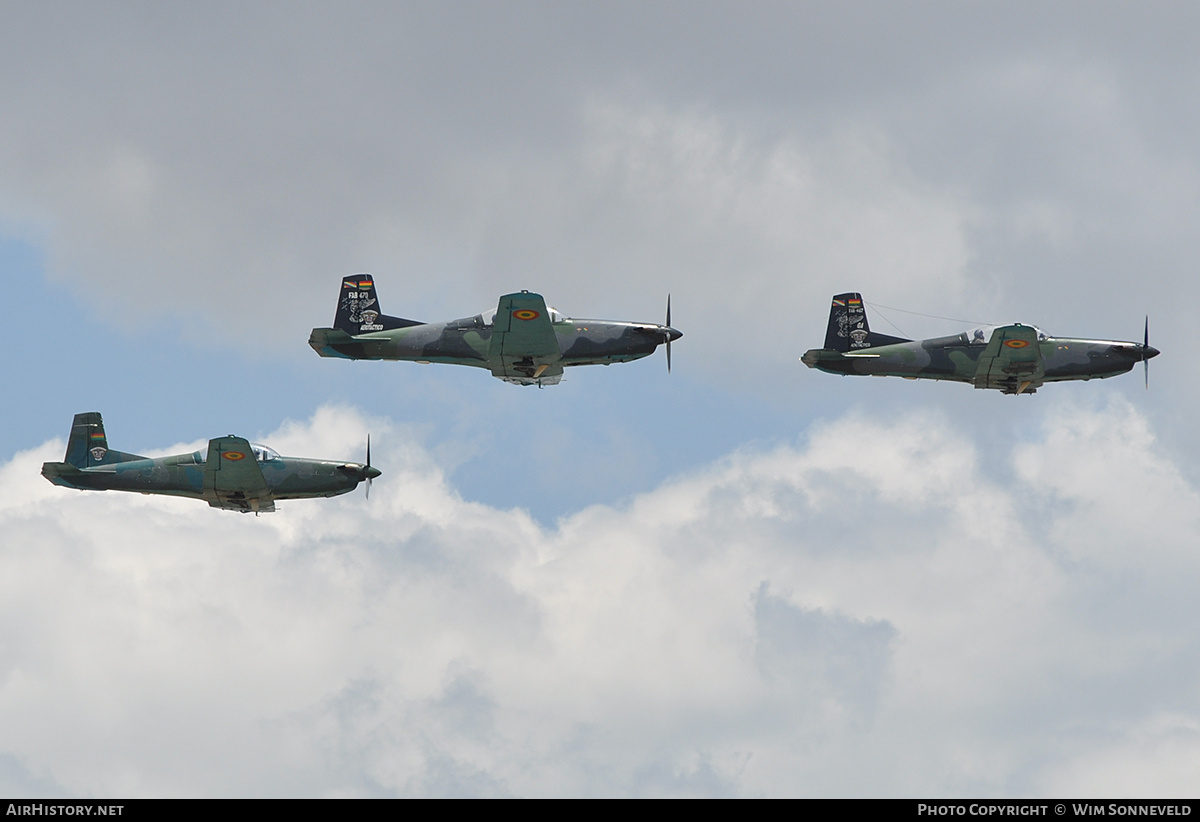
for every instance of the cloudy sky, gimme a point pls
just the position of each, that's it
(745, 578)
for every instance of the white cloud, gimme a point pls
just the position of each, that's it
(870, 611)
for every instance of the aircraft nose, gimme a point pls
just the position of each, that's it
(1149, 352)
(672, 333)
(359, 471)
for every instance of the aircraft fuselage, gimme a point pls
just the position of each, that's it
(522, 341)
(182, 475)
(469, 342)
(955, 358)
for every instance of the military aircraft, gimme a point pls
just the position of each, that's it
(522, 341)
(1015, 359)
(231, 474)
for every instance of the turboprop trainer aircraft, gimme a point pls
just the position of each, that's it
(1015, 359)
(522, 341)
(232, 473)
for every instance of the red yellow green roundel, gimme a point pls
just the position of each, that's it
(526, 314)
(1016, 343)
(234, 455)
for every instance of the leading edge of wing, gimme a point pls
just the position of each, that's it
(1012, 361)
(522, 328)
(233, 471)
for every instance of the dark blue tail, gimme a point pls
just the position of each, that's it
(88, 445)
(358, 309)
(848, 329)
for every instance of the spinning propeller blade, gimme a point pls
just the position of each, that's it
(668, 334)
(1145, 346)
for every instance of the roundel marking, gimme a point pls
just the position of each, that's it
(526, 314)
(233, 455)
(1016, 343)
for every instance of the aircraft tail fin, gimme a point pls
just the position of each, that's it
(848, 328)
(358, 309)
(88, 444)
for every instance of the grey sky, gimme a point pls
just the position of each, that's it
(514, 142)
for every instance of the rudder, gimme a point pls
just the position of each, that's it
(848, 329)
(358, 309)
(88, 444)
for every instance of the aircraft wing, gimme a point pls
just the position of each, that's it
(233, 478)
(1012, 361)
(524, 345)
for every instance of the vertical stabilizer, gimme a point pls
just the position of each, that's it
(358, 305)
(88, 444)
(848, 329)
(358, 310)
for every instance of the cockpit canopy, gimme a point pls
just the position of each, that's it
(263, 453)
(982, 334)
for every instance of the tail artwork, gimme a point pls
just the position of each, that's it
(848, 329)
(88, 445)
(358, 310)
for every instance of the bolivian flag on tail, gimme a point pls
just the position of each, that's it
(87, 444)
(358, 310)
(848, 329)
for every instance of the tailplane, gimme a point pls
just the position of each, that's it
(88, 444)
(358, 309)
(848, 329)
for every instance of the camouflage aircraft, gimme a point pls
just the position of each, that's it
(231, 474)
(522, 341)
(1015, 359)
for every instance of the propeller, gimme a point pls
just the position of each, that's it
(668, 334)
(361, 472)
(1145, 349)
(368, 471)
